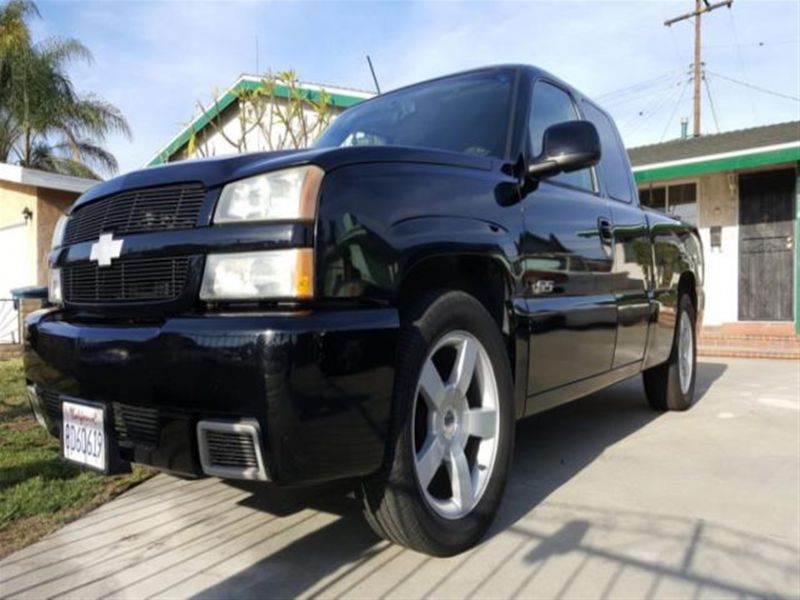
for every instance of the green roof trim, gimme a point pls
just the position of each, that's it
(336, 99)
(729, 163)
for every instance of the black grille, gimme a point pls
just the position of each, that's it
(52, 404)
(127, 280)
(136, 424)
(231, 449)
(137, 211)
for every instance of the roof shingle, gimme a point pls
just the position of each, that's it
(731, 141)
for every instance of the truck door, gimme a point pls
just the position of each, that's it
(628, 280)
(566, 247)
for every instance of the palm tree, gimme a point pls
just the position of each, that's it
(44, 122)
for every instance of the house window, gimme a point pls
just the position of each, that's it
(679, 200)
(654, 197)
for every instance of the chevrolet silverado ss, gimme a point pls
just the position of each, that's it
(448, 258)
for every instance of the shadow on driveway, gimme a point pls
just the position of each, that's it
(244, 541)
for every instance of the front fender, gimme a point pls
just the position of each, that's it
(377, 221)
(423, 238)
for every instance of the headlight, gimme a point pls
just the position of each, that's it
(290, 194)
(259, 275)
(54, 295)
(58, 232)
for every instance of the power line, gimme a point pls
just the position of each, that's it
(753, 44)
(655, 111)
(711, 102)
(626, 99)
(633, 123)
(636, 86)
(742, 69)
(755, 87)
(675, 109)
(652, 110)
(649, 107)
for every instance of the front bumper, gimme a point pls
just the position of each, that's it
(318, 384)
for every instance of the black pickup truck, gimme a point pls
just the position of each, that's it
(448, 258)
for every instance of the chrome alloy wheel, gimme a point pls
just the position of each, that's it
(685, 352)
(456, 424)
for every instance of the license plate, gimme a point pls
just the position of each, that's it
(83, 435)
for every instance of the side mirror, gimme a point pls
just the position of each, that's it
(568, 146)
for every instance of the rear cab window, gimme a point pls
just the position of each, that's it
(614, 168)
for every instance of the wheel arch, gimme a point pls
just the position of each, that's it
(687, 284)
(489, 280)
(483, 277)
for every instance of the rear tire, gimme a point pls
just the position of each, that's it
(452, 429)
(670, 386)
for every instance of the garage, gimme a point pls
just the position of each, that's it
(14, 274)
(31, 201)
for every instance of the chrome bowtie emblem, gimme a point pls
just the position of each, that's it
(106, 249)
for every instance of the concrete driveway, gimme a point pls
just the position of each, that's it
(606, 499)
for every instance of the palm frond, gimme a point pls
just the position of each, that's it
(44, 122)
(88, 153)
(62, 50)
(94, 117)
(46, 158)
(14, 32)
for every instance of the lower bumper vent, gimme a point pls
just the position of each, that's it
(52, 404)
(231, 450)
(136, 425)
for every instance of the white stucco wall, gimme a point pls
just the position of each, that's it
(718, 206)
(718, 197)
(722, 276)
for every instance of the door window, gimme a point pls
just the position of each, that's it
(552, 105)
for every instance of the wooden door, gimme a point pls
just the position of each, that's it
(766, 246)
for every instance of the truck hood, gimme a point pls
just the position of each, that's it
(214, 172)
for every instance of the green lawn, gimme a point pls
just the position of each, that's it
(39, 491)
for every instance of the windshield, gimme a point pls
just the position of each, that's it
(467, 114)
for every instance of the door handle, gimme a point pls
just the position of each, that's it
(606, 230)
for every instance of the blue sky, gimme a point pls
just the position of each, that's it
(155, 60)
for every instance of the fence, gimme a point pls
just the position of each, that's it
(9, 321)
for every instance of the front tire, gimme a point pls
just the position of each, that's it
(670, 386)
(452, 429)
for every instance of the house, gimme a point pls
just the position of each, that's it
(741, 189)
(31, 201)
(218, 129)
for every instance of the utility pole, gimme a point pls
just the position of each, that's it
(700, 7)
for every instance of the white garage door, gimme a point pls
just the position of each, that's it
(13, 274)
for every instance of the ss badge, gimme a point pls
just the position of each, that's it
(543, 286)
